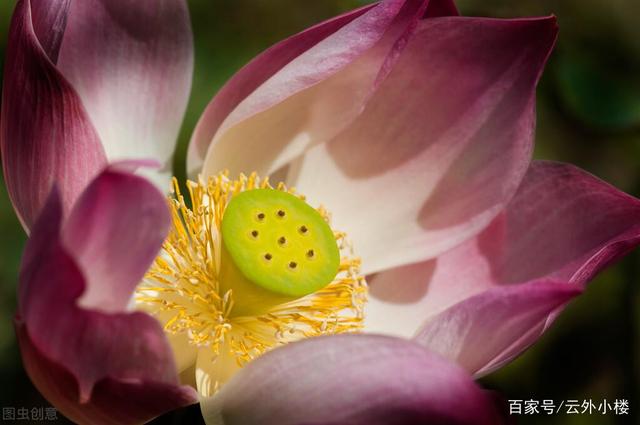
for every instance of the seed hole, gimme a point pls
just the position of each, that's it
(293, 265)
(282, 240)
(311, 254)
(281, 213)
(303, 230)
(268, 256)
(254, 234)
(260, 216)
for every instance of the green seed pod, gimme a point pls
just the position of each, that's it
(279, 243)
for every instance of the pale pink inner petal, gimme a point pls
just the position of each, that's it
(250, 77)
(442, 145)
(314, 96)
(131, 61)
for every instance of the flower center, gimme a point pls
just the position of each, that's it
(279, 243)
(248, 267)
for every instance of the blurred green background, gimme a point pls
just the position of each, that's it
(588, 114)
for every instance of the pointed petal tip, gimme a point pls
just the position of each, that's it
(515, 278)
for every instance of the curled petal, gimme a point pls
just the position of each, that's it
(441, 146)
(119, 351)
(350, 379)
(131, 61)
(325, 76)
(99, 235)
(506, 286)
(113, 401)
(45, 134)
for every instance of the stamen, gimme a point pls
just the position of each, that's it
(193, 289)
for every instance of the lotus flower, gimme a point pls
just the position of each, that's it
(411, 125)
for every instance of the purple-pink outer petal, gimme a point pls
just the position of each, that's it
(102, 354)
(491, 298)
(45, 134)
(351, 380)
(113, 401)
(98, 235)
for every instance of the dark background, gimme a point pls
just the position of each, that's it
(588, 114)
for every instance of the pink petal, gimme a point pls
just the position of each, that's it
(114, 232)
(45, 134)
(441, 8)
(486, 331)
(506, 286)
(310, 98)
(113, 401)
(119, 350)
(442, 145)
(251, 76)
(132, 64)
(350, 379)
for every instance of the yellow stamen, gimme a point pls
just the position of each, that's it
(184, 284)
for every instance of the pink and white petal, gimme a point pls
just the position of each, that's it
(563, 226)
(265, 66)
(114, 232)
(564, 223)
(350, 379)
(488, 330)
(131, 61)
(45, 134)
(251, 76)
(89, 344)
(441, 147)
(113, 401)
(315, 95)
